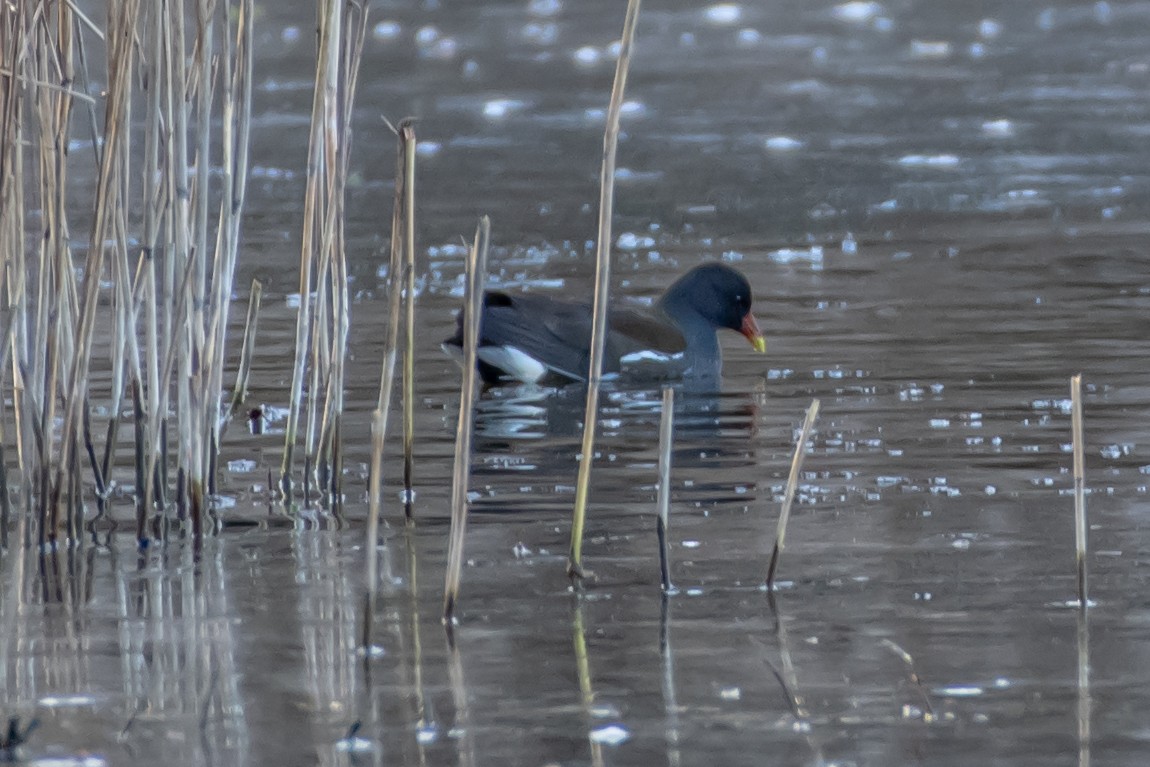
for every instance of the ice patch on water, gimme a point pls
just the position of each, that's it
(497, 109)
(356, 745)
(968, 691)
(857, 11)
(544, 8)
(386, 30)
(812, 255)
(988, 29)
(540, 32)
(749, 37)
(929, 161)
(587, 56)
(1002, 128)
(611, 735)
(932, 50)
(66, 701)
(723, 14)
(782, 144)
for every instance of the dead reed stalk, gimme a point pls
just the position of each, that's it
(472, 311)
(789, 493)
(378, 425)
(324, 310)
(662, 524)
(1080, 528)
(602, 288)
(407, 144)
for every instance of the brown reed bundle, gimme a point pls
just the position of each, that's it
(322, 322)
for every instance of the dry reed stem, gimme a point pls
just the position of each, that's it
(407, 143)
(602, 287)
(927, 708)
(396, 279)
(247, 350)
(461, 473)
(321, 155)
(1080, 528)
(107, 204)
(792, 486)
(378, 425)
(663, 522)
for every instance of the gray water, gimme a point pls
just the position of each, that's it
(943, 210)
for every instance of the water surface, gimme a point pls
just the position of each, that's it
(943, 209)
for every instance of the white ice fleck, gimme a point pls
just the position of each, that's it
(930, 49)
(386, 30)
(857, 11)
(782, 144)
(544, 7)
(929, 161)
(496, 109)
(632, 241)
(611, 735)
(587, 56)
(988, 29)
(723, 14)
(961, 691)
(812, 255)
(1001, 128)
(749, 37)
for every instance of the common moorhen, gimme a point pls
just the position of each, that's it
(536, 339)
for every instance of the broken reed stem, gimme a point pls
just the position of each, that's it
(1079, 486)
(378, 425)
(473, 308)
(789, 493)
(662, 524)
(407, 147)
(247, 349)
(602, 287)
(927, 709)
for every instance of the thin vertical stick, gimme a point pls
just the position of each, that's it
(1079, 485)
(666, 431)
(789, 494)
(407, 143)
(602, 285)
(473, 306)
(378, 424)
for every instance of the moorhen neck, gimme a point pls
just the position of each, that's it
(536, 339)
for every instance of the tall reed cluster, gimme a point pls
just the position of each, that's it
(146, 301)
(323, 319)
